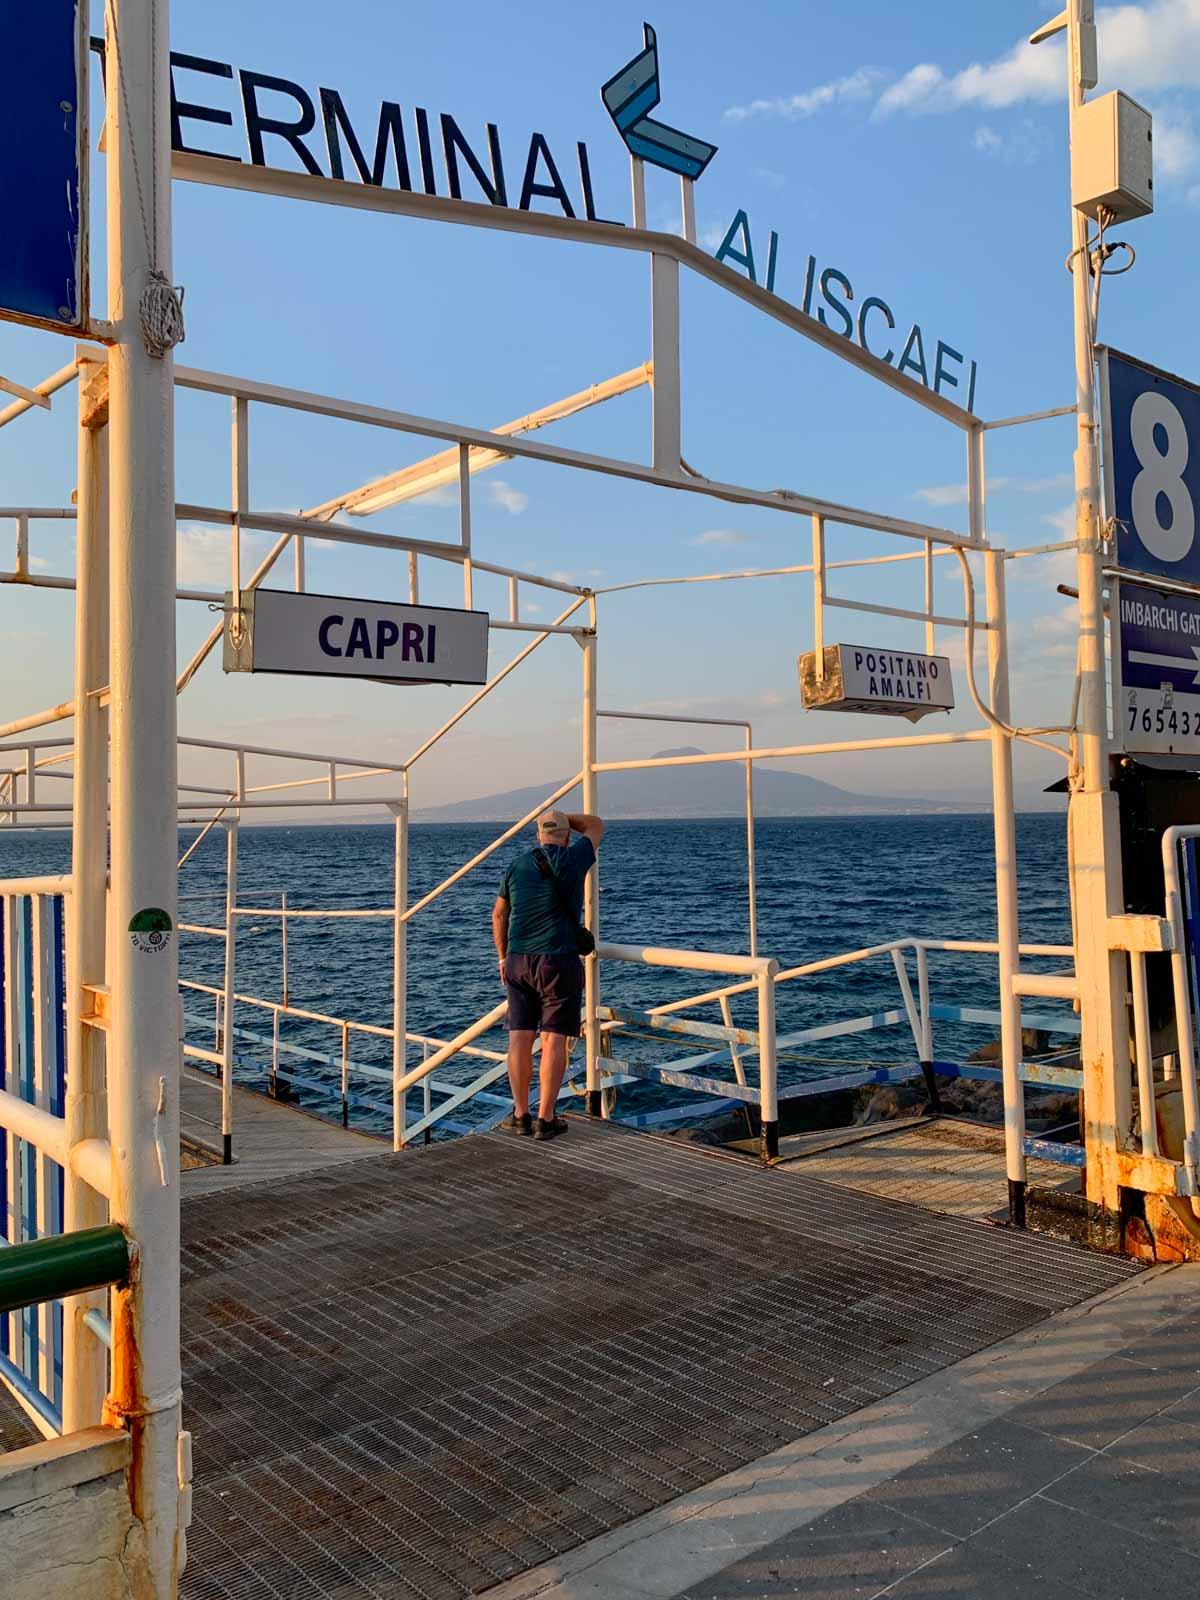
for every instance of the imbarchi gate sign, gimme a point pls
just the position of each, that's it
(331, 636)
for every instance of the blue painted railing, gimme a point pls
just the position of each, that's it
(33, 1067)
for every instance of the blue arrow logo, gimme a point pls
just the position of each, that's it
(633, 92)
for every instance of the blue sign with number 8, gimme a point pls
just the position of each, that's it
(1152, 467)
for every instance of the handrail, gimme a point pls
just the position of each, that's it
(850, 957)
(38, 1270)
(509, 833)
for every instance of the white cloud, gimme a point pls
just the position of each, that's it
(39, 563)
(721, 536)
(444, 496)
(1176, 148)
(1063, 522)
(1020, 146)
(503, 494)
(955, 494)
(203, 558)
(943, 494)
(1028, 72)
(856, 86)
(1142, 47)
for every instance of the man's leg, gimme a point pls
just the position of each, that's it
(550, 1073)
(520, 1067)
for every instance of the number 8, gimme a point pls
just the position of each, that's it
(1161, 474)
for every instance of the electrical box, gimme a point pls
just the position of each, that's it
(1112, 158)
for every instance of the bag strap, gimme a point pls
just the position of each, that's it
(552, 877)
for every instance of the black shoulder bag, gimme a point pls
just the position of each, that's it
(585, 944)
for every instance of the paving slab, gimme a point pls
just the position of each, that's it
(981, 1476)
(1107, 1400)
(945, 1454)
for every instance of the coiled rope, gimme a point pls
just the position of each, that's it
(160, 307)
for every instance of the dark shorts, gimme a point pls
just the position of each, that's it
(545, 993)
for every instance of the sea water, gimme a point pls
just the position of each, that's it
(825, 885)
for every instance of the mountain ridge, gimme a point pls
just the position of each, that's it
(701, 791)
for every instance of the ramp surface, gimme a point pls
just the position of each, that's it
(420, 1375)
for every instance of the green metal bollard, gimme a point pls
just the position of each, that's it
(68, 1263)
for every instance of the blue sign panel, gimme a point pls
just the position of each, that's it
(1152, 468)
(633, 92)
(42, 118)
(1157, 655)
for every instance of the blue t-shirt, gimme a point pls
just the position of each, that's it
(536, 924)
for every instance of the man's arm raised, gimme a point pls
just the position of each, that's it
(590, 827)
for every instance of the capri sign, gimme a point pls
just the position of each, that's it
(319, 635)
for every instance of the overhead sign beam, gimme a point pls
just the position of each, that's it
(532, 449)
(191, 168)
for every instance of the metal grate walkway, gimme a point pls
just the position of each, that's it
(419, 1375)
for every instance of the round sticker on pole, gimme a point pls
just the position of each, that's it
(150, 930)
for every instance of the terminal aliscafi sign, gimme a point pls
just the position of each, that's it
(235, 114)
(859, 677)
(333, 636)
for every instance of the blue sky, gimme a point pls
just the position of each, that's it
(916, 149)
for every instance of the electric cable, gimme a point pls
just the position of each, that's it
(1029, 735)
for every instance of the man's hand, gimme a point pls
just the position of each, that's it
(503, 979)
(590, 827)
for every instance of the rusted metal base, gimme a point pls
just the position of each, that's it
(1016, 1203)
(419, 1375)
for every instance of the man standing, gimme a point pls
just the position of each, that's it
(534, 922)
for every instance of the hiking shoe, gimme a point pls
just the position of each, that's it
(519, 1125)
(551, 1129)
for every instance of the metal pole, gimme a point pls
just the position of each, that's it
(637, 184)
(464, 522)
(283, 945)
(927, 1072)
(85, 1362)
(591, 891)
(1005, 831)
(1093, 820)
(818, 573)
(144, 1039)
(751, 879)
(400, 973)
(230, 988)
(768, 1068)
(664, 335)
(346, 1075)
